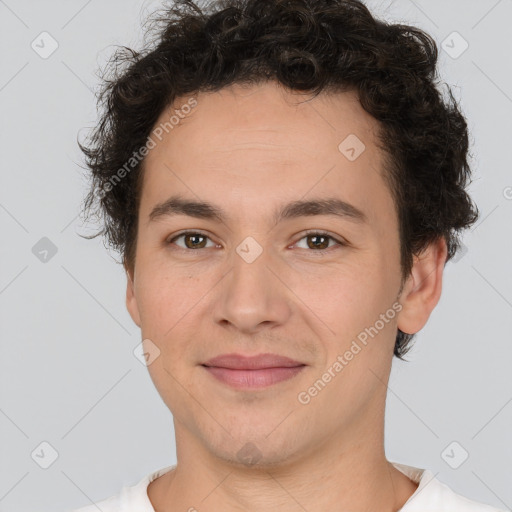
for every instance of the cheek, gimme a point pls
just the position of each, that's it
(170, 305)
(345, 298)
(168, 318)
(351, 306)
(161, 298)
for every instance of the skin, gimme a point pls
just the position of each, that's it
(250, 149)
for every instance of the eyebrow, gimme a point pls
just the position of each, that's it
(178, 205)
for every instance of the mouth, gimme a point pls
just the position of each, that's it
(243, 372)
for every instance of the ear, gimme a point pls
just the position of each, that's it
(422, 289)
(131, 300)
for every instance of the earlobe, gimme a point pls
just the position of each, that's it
(422, 289)
(131, 300)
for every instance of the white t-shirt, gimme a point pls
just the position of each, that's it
(430, 496)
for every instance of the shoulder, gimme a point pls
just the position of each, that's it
(132, 498)
(432, 495)
(441, 498)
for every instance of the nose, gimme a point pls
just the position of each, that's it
(252, 297)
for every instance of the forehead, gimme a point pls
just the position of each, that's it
(243, 143)
(267, 114)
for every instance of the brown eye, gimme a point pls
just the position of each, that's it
(192, 240)
(319, 241)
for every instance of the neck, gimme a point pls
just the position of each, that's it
(333, 475)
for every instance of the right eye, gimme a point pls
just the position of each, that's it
(192, 240)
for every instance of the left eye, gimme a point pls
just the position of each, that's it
(319, 241)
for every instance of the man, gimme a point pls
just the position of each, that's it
(285, 184)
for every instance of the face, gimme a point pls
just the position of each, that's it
(254, 272)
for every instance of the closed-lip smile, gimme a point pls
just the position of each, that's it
(250, 372)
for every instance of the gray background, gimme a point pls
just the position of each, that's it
(68, 374)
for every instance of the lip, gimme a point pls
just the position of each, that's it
(258, 362)
(252, 372)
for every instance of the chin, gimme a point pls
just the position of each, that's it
(258, 450)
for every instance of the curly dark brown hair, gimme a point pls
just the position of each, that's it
(306, 45)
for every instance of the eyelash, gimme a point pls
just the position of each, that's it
(340, 243)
